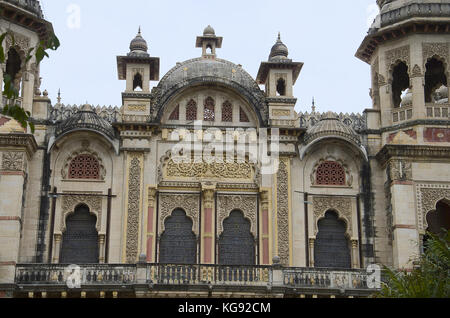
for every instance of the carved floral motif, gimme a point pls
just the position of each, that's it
(13, 161)
(134, 196)
(244, 203)
(70, 202)
(430, 50)
(283, 211)
(398, 54)
(427, 198)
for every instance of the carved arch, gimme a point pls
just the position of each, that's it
(189, 203)
(70, 204)
(341, 206)
(85, 150)
(244, 203)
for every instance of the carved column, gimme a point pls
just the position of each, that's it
(355, 256)
(283, 211)
(57, 248)
(265, 252)
(312, 242)
(208, 239)
(101, 248)
(151, 217)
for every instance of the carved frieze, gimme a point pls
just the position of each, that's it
(428, 195)
(20, 41)
(283, 211)
(70, 203)
(247, 204)
(209, 170)
(169, 202)
(134, 198)
(398, 54)
(339, 204)
(400, 170)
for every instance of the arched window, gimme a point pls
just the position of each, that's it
(175, 114)
(243, 118)
(438, 220)
(400, 83)
(227, 112)
(191, 110)
(281, 87)
(178, 243)
(137, 82)
(434, 78)
(80, 240)
(330, 173)
(331, 248)
(209, 110)
(84, 167)
(236, 244)
(13, 66)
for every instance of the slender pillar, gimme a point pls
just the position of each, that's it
(312, 241)
(265, 253)
(151, 219)
(101, 248)
(208, 240)
(355, 258)
(57, 250)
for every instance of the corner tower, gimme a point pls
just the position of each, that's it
(407, 48)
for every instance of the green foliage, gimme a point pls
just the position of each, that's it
(430, 279)
(9, 91)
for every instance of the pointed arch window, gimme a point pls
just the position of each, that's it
(191, 110)
(435, 78)
(330, 173)
(209, 110)
(227, 112)
(175, 114)
(13, 66)
(400, 83)
(331, 248)
(243, 116)
(137, 82)
(80, 240)
(281, 87)
(84, 166)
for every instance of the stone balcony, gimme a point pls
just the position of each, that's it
(153, 280)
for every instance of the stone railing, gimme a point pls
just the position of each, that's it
(438, 110)
(325, 278)
(61, 112)
(402, 114)
(209, 274)
(357, 122)
(170, 277)
(41, 274)
(437, 9)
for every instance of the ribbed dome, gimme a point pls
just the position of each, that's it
(331, 126)
(209, 31)
(279, 50)
(138, 44)
(85, 119)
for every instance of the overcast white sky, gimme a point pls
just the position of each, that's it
(323, 34)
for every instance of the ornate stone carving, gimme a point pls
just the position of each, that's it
(283, 211)
(134, 197)
(430, 50)
(398, 54)
(339, 204)
(209, 170)
(428, 195)
(189, 203)
(20, 41)
(151, 197)
(84, 150)
(208, 198)
(416, 72)
(348, 175)
(400, 170)
(13, 161)
(244, 203)
(70, 202)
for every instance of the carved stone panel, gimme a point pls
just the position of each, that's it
(430, 50)
(189, 203)
(134, 199)
(339, 204)
(398, 54)
(428, 195)
(283, 211)
(13, 161)
(245, 203)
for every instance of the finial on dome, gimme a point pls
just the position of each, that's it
(279, 50)
(209, 31)
(138, 45)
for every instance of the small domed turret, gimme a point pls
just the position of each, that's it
(279, 50)
(138, 45)
(209, 31)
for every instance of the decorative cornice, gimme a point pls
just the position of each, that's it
(412, 151)
(26, 141)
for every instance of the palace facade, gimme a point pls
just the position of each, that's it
(203, 185)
